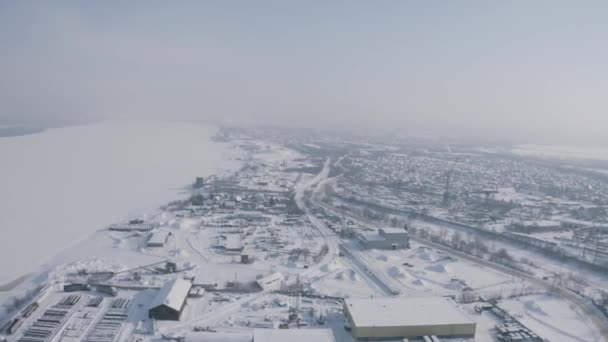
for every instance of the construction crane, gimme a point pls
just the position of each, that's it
(448, 183)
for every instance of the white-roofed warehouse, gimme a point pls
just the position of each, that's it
(379, 318)
(170, 300)
(386, 238)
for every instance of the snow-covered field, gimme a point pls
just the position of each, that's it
(63, 184)
(551, 318)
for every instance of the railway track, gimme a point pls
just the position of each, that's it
(592, 313)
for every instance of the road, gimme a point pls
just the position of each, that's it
(329, 235)
(595, 316)
(334, 241)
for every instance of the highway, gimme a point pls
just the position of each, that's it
(369, 272)
(335, 242)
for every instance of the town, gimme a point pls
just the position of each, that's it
(329, 237)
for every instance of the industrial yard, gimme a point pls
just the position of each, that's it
(303, 171)
(297, 245)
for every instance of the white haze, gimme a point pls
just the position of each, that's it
(530, 72)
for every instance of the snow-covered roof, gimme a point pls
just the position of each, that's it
(390, 312)
(299, 335)
(272, 281)
(172, 294)
(393, 230)
(368, 236)
(233, 242)
(158, 238)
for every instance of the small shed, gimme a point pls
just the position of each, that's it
(158, 239)
(271, 282)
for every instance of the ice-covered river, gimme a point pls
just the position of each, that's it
(62, 184)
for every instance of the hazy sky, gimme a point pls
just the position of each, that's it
(525, 69)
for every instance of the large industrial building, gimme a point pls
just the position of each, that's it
(386, 238)
(397, 318)
(170, 300)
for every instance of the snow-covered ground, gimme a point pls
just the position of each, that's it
(63, 184)
(551, 318)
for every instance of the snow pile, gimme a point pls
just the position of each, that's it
(439, 268)
(427, 255)
(418, 282)
(382, 257)
(396, 272)
(533, 306)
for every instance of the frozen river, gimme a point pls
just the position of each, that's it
(58, 186)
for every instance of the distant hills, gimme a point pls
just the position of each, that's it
(13, 131)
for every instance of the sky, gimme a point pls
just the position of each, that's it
(531, 71)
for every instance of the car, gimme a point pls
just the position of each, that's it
(347, 325)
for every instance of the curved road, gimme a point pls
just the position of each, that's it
(334, 242)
